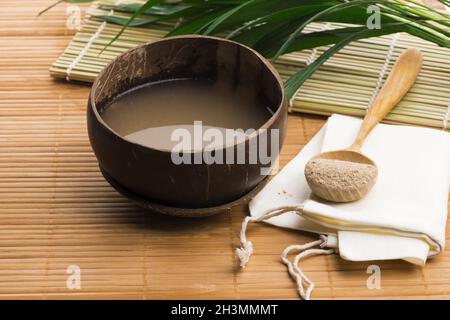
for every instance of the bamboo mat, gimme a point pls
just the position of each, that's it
(346, 84)
(56, 210)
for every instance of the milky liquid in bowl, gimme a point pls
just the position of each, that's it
(151, 114)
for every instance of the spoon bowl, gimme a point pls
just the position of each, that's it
(357, 173)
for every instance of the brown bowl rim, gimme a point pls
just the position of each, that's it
(266, 63)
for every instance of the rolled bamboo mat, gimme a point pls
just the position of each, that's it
(346, 84)
(57, 211)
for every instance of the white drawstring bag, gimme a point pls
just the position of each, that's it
(403, 216)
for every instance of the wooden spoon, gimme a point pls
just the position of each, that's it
(353, 175)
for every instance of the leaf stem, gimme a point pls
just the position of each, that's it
(50, 6)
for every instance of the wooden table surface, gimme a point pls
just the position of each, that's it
(57, 211)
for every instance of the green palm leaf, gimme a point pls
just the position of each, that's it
(335, 8)
(296, 80)
(275, 27)
(145, 7)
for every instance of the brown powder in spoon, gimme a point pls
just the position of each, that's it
(340, 175)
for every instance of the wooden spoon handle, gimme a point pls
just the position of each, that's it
(400, 80)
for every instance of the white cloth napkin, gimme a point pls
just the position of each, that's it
(403, 216)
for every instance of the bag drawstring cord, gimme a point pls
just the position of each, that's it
(293, 268)
(246, 250)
